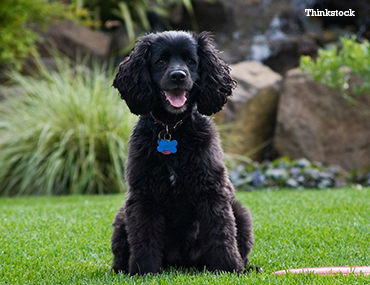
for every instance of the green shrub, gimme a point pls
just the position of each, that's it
(66, 135)
(330, 67)
(17, 39)
(360, 177)
(132, 12)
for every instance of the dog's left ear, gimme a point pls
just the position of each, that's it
(215, 82)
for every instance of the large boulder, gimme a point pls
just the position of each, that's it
(315, 122)
(251, 112)
(75, 41)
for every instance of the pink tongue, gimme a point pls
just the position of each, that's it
(176, 99)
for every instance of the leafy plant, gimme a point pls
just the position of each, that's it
(132, 12)
(360, 177)
(285, 172)
(17, 39)
(67, 134)
(330, 67)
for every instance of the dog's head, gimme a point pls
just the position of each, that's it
(175, 70)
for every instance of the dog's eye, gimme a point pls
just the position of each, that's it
(160, 62)
(191, 61)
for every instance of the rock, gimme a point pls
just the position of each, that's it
(251, 111)
(75, 41)
(31, 65)
(282, 45)
(285, 53)
(360, 7)
(10, 91)
(315, 122)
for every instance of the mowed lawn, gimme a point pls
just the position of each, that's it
(66, 240)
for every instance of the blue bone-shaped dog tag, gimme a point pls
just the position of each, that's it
(167, 146)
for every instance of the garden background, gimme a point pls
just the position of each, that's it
(297, 128)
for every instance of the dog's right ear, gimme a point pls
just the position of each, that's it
(133, 79)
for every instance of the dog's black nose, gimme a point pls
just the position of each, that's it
(177, 75)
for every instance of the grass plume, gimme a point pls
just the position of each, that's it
(67, 134)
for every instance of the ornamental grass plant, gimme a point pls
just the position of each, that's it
(66, 134)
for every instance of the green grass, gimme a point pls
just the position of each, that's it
(66, 240)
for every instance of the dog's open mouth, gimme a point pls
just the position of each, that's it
(176, 97)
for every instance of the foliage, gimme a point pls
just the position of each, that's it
(66, 135)
(132, 12)
(285, 172)
(17, 39)
(360, 177)
(66, 240)
(330, 67)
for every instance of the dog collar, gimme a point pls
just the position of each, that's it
(165, 145)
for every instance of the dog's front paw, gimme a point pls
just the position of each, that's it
(226, 265)
(143, 267)
(118, 270)
(120, 264)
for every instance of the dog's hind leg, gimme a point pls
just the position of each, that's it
(245, 239)
(120, 246)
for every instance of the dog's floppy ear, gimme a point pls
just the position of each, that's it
(133, 78)
(215, 82)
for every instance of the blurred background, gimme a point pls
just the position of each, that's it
(299, 118)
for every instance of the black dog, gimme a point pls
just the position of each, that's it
(180, 208)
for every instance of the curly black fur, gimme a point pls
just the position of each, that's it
(180, 209)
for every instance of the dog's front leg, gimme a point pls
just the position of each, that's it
(218, 237)
(145, 227)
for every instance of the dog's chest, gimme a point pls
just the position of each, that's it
(180, 215)
(172, 175)
(178, 177)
